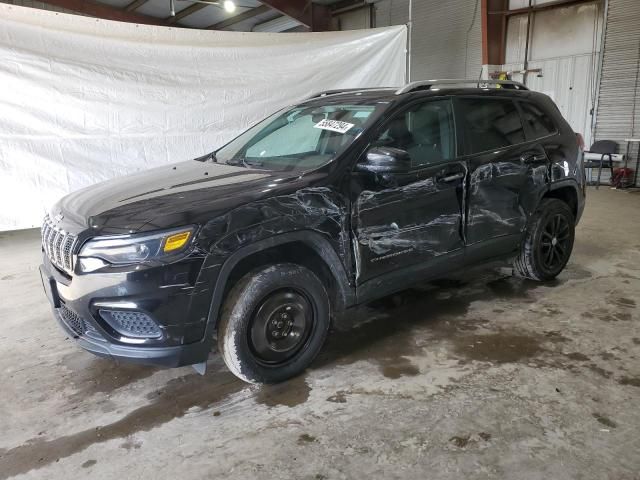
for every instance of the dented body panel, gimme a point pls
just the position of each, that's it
(407, 219)
(364, 234)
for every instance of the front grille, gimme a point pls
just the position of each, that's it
(58, 245)
(73, 320)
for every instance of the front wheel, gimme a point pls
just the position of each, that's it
(274, 323)
(548, 241)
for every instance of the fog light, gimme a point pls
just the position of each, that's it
(131, 324)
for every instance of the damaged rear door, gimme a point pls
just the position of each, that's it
(507, 175)
(407, 224)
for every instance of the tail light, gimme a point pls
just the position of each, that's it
(580, 141)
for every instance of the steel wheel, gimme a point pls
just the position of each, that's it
(554, 247)
(280, 327)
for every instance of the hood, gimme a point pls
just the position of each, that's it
(173, 195)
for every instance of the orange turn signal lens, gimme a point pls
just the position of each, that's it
(176, 241)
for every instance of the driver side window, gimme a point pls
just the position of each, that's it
(425, 131)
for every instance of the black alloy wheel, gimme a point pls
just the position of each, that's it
(548, 241)
(554, 247)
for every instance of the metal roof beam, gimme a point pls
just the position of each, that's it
(185, 12)
(254, 12)
(101, 10)
(135, 5)
(316, 17)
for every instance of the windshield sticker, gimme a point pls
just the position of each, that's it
(334, 125)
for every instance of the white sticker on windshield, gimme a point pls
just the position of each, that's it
(334, 125)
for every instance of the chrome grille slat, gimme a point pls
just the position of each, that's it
(57, 241)
(52, 236)
(66, 251)
(47, 241)
(58, 245)
(45, 231)
(52, 245)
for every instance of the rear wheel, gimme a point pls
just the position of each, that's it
(273, 323)
(548, 242)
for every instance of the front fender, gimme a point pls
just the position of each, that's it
(318, 242)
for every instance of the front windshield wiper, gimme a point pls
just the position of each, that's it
(242, 162)
(236, 162)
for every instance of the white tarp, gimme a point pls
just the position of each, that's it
(84, 100)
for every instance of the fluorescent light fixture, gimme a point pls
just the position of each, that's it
(229, 6)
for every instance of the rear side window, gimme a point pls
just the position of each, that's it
(538, 123)
(491, 123)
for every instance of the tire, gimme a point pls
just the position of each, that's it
(550, 235)
(273, 323)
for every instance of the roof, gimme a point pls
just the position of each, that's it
(204, 14)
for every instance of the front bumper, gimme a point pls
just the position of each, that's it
(180, 311)
(162, 356)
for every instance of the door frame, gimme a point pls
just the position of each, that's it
(401, 278)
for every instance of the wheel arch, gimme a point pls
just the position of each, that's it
(568, 193)
(307, 248)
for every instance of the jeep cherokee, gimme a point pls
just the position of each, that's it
(346, 197)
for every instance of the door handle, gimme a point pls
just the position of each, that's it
(451, 178)
(533, 158)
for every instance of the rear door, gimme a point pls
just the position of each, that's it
(506, 172)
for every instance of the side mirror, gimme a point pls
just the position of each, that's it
(385, 160)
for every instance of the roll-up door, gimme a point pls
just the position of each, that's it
(618, 107)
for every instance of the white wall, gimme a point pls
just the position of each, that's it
(565, 44)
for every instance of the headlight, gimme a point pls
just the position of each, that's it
(122, 250)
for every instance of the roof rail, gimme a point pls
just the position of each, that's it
(344, 90)
(427, 84)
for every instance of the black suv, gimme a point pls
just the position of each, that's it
(346, 197)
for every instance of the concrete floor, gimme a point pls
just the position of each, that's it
(493, 377)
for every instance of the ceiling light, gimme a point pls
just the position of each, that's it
(229, 6)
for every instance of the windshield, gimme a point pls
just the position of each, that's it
(301, 138)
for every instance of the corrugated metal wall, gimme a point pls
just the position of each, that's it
(618, 108)
(391, 12)
(355, 19)
(446, 36)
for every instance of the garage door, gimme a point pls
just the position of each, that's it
(618, 110)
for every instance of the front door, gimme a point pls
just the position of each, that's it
(405, 222)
